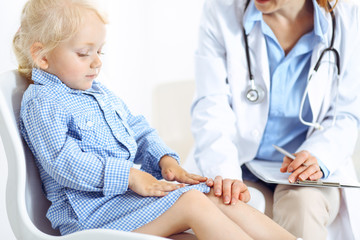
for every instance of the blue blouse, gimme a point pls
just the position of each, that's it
(288, 79)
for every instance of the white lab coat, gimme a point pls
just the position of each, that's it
(228, 129)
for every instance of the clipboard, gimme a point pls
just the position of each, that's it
(269, 171)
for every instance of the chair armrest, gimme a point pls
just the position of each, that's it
(257, 199)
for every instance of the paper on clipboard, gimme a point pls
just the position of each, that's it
(269, 171)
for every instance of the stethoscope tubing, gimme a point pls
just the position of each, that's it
(257, 93)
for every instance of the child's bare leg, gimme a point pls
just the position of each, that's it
(253, 222)
(194, 210)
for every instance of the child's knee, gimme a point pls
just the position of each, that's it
(195, 200)
(193, 195)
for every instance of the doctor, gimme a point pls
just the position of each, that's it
(283, 72)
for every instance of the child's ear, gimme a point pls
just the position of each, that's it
(35, 50)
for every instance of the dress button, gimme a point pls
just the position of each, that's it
(90, 124)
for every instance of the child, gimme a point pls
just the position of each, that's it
(85, 141)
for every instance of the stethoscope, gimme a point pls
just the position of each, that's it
(256, 94)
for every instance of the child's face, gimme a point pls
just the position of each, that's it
(76, 62)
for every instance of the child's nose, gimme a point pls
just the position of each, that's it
(96, 63)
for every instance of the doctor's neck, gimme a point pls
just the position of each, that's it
(286, 11)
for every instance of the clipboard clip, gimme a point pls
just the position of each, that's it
(318, 183)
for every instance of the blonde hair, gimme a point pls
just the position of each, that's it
(49, 22)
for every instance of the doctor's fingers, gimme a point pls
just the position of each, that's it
(218, 182)
(286, 162)
(317, 175)
(239, 192)
(312, 172)
(234, 190)
(300, 158)
(227, 190)
(305, 172)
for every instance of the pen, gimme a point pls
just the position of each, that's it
(283, 151)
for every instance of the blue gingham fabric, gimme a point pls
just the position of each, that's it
(84, 144)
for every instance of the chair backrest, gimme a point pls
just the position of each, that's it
(26, 204)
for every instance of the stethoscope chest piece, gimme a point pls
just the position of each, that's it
(255, 93)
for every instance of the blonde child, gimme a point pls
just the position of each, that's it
(86, 141)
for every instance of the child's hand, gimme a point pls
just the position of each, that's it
(146, 185)
(172, 171)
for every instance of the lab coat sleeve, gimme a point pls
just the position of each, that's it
(335, 144)
(213, 120)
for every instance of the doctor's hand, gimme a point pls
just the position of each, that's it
(172, 171)
(231, 190)
(304, 167)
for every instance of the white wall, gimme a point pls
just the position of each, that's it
(149, 42)
(152, 42)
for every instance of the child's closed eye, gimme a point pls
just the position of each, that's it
(82, 54)
(87, 54)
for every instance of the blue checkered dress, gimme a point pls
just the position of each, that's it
(85, 143)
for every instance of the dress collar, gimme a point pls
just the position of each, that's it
(47, 79)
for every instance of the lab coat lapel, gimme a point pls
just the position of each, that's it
(318, 82)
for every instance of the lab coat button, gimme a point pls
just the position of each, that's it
(255, 133)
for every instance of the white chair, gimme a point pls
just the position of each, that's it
(26, 204)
